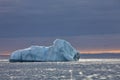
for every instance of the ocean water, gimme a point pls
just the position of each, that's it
(84, 69)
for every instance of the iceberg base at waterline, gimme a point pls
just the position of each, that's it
(61, 50)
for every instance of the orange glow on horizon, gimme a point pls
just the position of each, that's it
(6, 53)
(98, 51)
(81, 51)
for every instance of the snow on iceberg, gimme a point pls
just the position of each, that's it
(61, 50)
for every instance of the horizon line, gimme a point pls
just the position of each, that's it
(81, 52)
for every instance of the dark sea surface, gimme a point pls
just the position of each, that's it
(84, 69)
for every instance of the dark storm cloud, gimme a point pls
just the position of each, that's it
(29, 18)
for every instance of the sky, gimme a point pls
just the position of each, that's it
(90, 25)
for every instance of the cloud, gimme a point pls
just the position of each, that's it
(7, 6)
(60, 18)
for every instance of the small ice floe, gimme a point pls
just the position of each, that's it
(103, 78)
(90, 77)
(51, 69)
(71, 75)
(81, 73)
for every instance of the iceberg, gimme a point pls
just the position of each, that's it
(61, 50)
